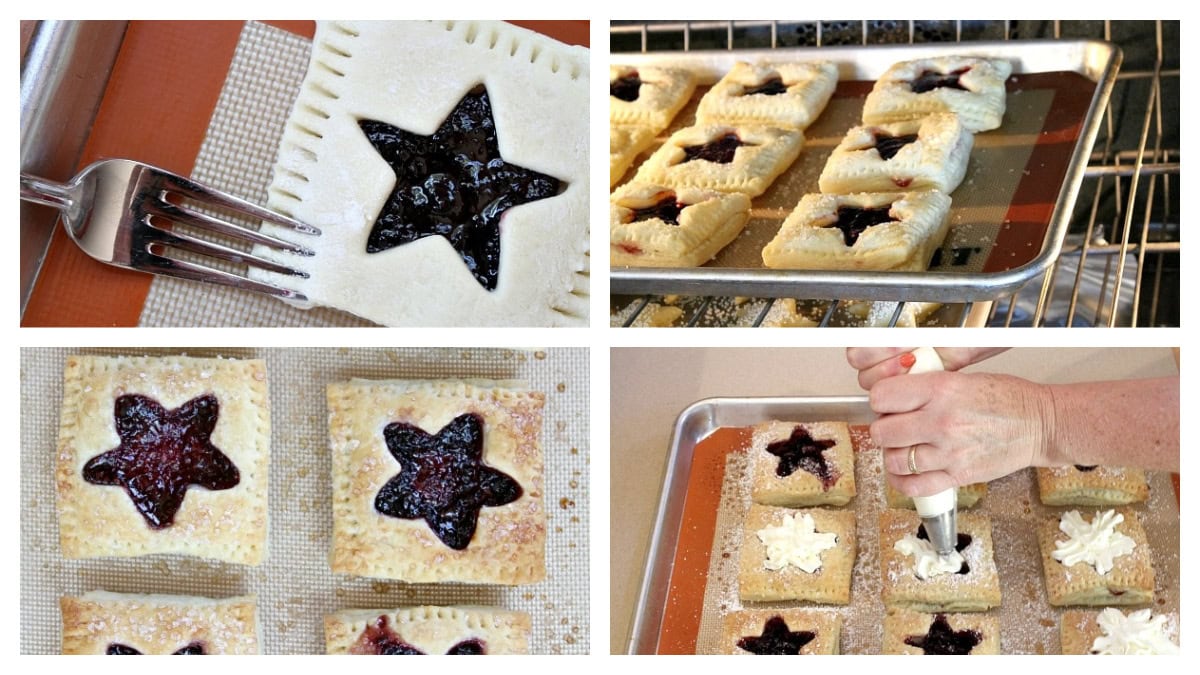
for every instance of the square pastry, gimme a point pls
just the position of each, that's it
(972, 88)
(915, 578)
(647, 96)
(866, 231)
(1092, 485)
(723, 157)
(968, 496)
(625, 143)
(657, 226)
(1112, 631)
(926, 154)
(122, 624)
(790, 554)
(1102, 559)
(781, 631)
(164, 455)
(908, 632)
(801, 464)
(788, 95)
(438, 480)
(446, 166)
(428, 630)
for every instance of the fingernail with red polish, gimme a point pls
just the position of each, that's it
(908, 360)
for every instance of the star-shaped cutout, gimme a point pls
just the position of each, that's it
(191, 649)
(942, 639)
(162, 452)
(443, 478)
(801, 451)
(453, 184)
(776, 638)
(379, 638)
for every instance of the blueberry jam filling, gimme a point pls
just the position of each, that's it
(720, 151)
(771, 87)
(379, 638)
(854, 221)
(802, 451)
(443, 478)
(118, 649)
(453, 184)
(964, 540)
(929, 80)
(666, 209)
(942, 639)
(626, 87)
(889, 145)
(162, 452)
(1085, 469)
(776, 638)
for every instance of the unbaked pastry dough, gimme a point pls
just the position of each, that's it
(159, 624)
(901, 624)
(825, 626)
(801, 487)
(1129, 582)
(433, 630)
(807, 88)
(764, 154)
(975, 591)
(101, 520)
(707, 222)
(625, 143)
(829, 584)
(1100, 486)
(412, 74)
(935, 160)
(663, 92)
(979, 104)
(508, 546)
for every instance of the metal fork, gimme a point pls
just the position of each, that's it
(118, 212)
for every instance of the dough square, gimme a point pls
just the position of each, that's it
(432, 630)
(902, 624)
(1129, 582)
(420, 77)
(968, 496)
(807, 88)
(800, 487)
(97, 520)
(159, 624)
(975, 591)
(830, 584)
(1099, 486)
(936, 158)
(979, 104)
(625, 143)
(663, 92)
(707, 222)
(1079, 629)
(809, 238)
(509, 543)
(765, 153)
(825, 626)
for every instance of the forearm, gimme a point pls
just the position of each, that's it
(1121, 423)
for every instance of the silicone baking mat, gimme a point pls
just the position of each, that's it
(703, 587)
(295, 587)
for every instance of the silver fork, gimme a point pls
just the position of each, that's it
(117, 211)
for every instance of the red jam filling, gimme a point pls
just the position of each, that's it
(378, 638)
(802, 451)
(889, 145)
(942, 639)
(776, 638)
(118, 649)
(854, 221)
(626, 88)
(929, 80)
(631, 249)
(719, 151)
(453, 184)
(162, 452)
(443, 479)
(771, 87)
(964, 540)
(666, 209)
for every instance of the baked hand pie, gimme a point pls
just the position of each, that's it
(968, 496)
(805, 554)
(164, 455)
(1091, 485)
(1101, 560)
(647, 96)
(926, 154)
(657, 226)
(446, 166)
(908, 632)
(729, 158)
(972, 88)
(428, 630)
(625, 143)
(438, 480)
(801, 464)
(866, 231)
(123, 624)
(781, 631)
(915, 578)
(1112, 631)
(788, 95)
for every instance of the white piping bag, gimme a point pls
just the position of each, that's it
(938, 512)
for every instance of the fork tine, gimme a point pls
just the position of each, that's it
(187, 216)
(189, 188)
(219, 251)
(183, 269)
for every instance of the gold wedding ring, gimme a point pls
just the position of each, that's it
(912, 460)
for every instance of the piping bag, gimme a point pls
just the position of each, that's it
(938, 512)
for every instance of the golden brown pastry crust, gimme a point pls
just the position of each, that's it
(936, 160)
(829, 585)
(826, 625)
(101, 520)
(434, 630)
(980, 106)
(809, 88)
(1102, 486)
(968, 496)
(768, 152)
(663, 93)
(801, 488)
(900, 624)
(1129, 582)
(158, 624)
(709, 222)
(625, 143)
(976, 591)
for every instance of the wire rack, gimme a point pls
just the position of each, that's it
(1120, 261)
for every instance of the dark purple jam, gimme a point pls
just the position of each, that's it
(854, 221)
(889, 145)
(666, 209)
(626, 88)
(453, 184)
(379, 638)
(802, 451)
(161, 453)
(771, 87)
(443, 479)
(941, 639)
(776, 638)
(1085, 469)
(118, 649)
(720, 151)
(929, 80)
(964, 540)
(470, 647)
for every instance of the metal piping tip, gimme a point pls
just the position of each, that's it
(943, 531)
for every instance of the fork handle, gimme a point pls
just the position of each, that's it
(44, 191)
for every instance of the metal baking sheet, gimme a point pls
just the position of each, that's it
(665, 623)
(1009, 216)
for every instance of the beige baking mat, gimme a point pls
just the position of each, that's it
(295, 588)
(1028, 624)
